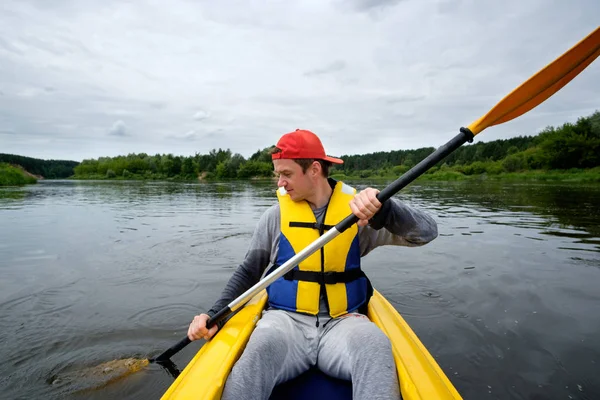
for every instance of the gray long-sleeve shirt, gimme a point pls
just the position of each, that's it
(395, 224)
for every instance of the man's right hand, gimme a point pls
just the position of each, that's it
(197, 329)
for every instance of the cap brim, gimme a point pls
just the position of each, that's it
(334, 160)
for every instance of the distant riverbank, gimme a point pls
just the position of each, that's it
(14, 176)
(571, 175)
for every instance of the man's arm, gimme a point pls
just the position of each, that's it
(263, 241)
(397, 224)
(255, 262)
(245, 276)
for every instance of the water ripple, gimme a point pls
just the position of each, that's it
(168, 316)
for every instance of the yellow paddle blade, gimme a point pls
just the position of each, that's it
(542, 85)
(92, 378)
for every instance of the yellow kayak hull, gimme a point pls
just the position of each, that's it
(204, 377)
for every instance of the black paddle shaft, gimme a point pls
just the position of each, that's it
(165, 357)
(465, 135)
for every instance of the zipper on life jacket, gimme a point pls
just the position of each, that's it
(323, 289)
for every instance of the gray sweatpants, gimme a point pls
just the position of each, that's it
(285, 344)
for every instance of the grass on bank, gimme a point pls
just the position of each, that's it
(447, 174)
(13, 176)
(572, 175)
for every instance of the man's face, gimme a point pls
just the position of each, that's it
(297, 183)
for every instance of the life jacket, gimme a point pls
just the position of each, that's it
(334, 268)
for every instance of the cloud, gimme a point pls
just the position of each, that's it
(9, 47)
(118, 129)
(194, 135)
(31, 92)
(395, 99)
(448, 6)
(189, 135)
(335, 66)
(201, 115)
(368, 5)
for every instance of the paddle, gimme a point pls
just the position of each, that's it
(528, 95)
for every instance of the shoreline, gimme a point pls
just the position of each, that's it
(587, 175)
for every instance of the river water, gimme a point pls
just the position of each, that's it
(506, 299)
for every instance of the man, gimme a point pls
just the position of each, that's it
(310, 321)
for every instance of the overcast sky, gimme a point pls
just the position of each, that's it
(86, 79)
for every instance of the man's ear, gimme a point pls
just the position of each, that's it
(315, 168)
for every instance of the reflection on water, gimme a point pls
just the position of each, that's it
(505, 298)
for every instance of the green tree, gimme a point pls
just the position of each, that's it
(187, 168)
(263, 155)
(252, 169)
(514, 163)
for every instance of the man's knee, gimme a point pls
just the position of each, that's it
(370, 340)
(268, 342)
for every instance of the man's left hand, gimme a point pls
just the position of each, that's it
(365, 205)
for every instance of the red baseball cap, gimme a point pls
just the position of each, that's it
(302, 144)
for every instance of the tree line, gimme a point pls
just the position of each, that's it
(572, 145)
(217, 164)
(50, 169)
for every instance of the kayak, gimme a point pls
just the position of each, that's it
(420, 377)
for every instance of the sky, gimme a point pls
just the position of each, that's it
(87, 79)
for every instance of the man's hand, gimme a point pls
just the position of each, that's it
(197, 329)
(365, 205)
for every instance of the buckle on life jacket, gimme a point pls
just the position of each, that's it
(324, 278)
(311, 225)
